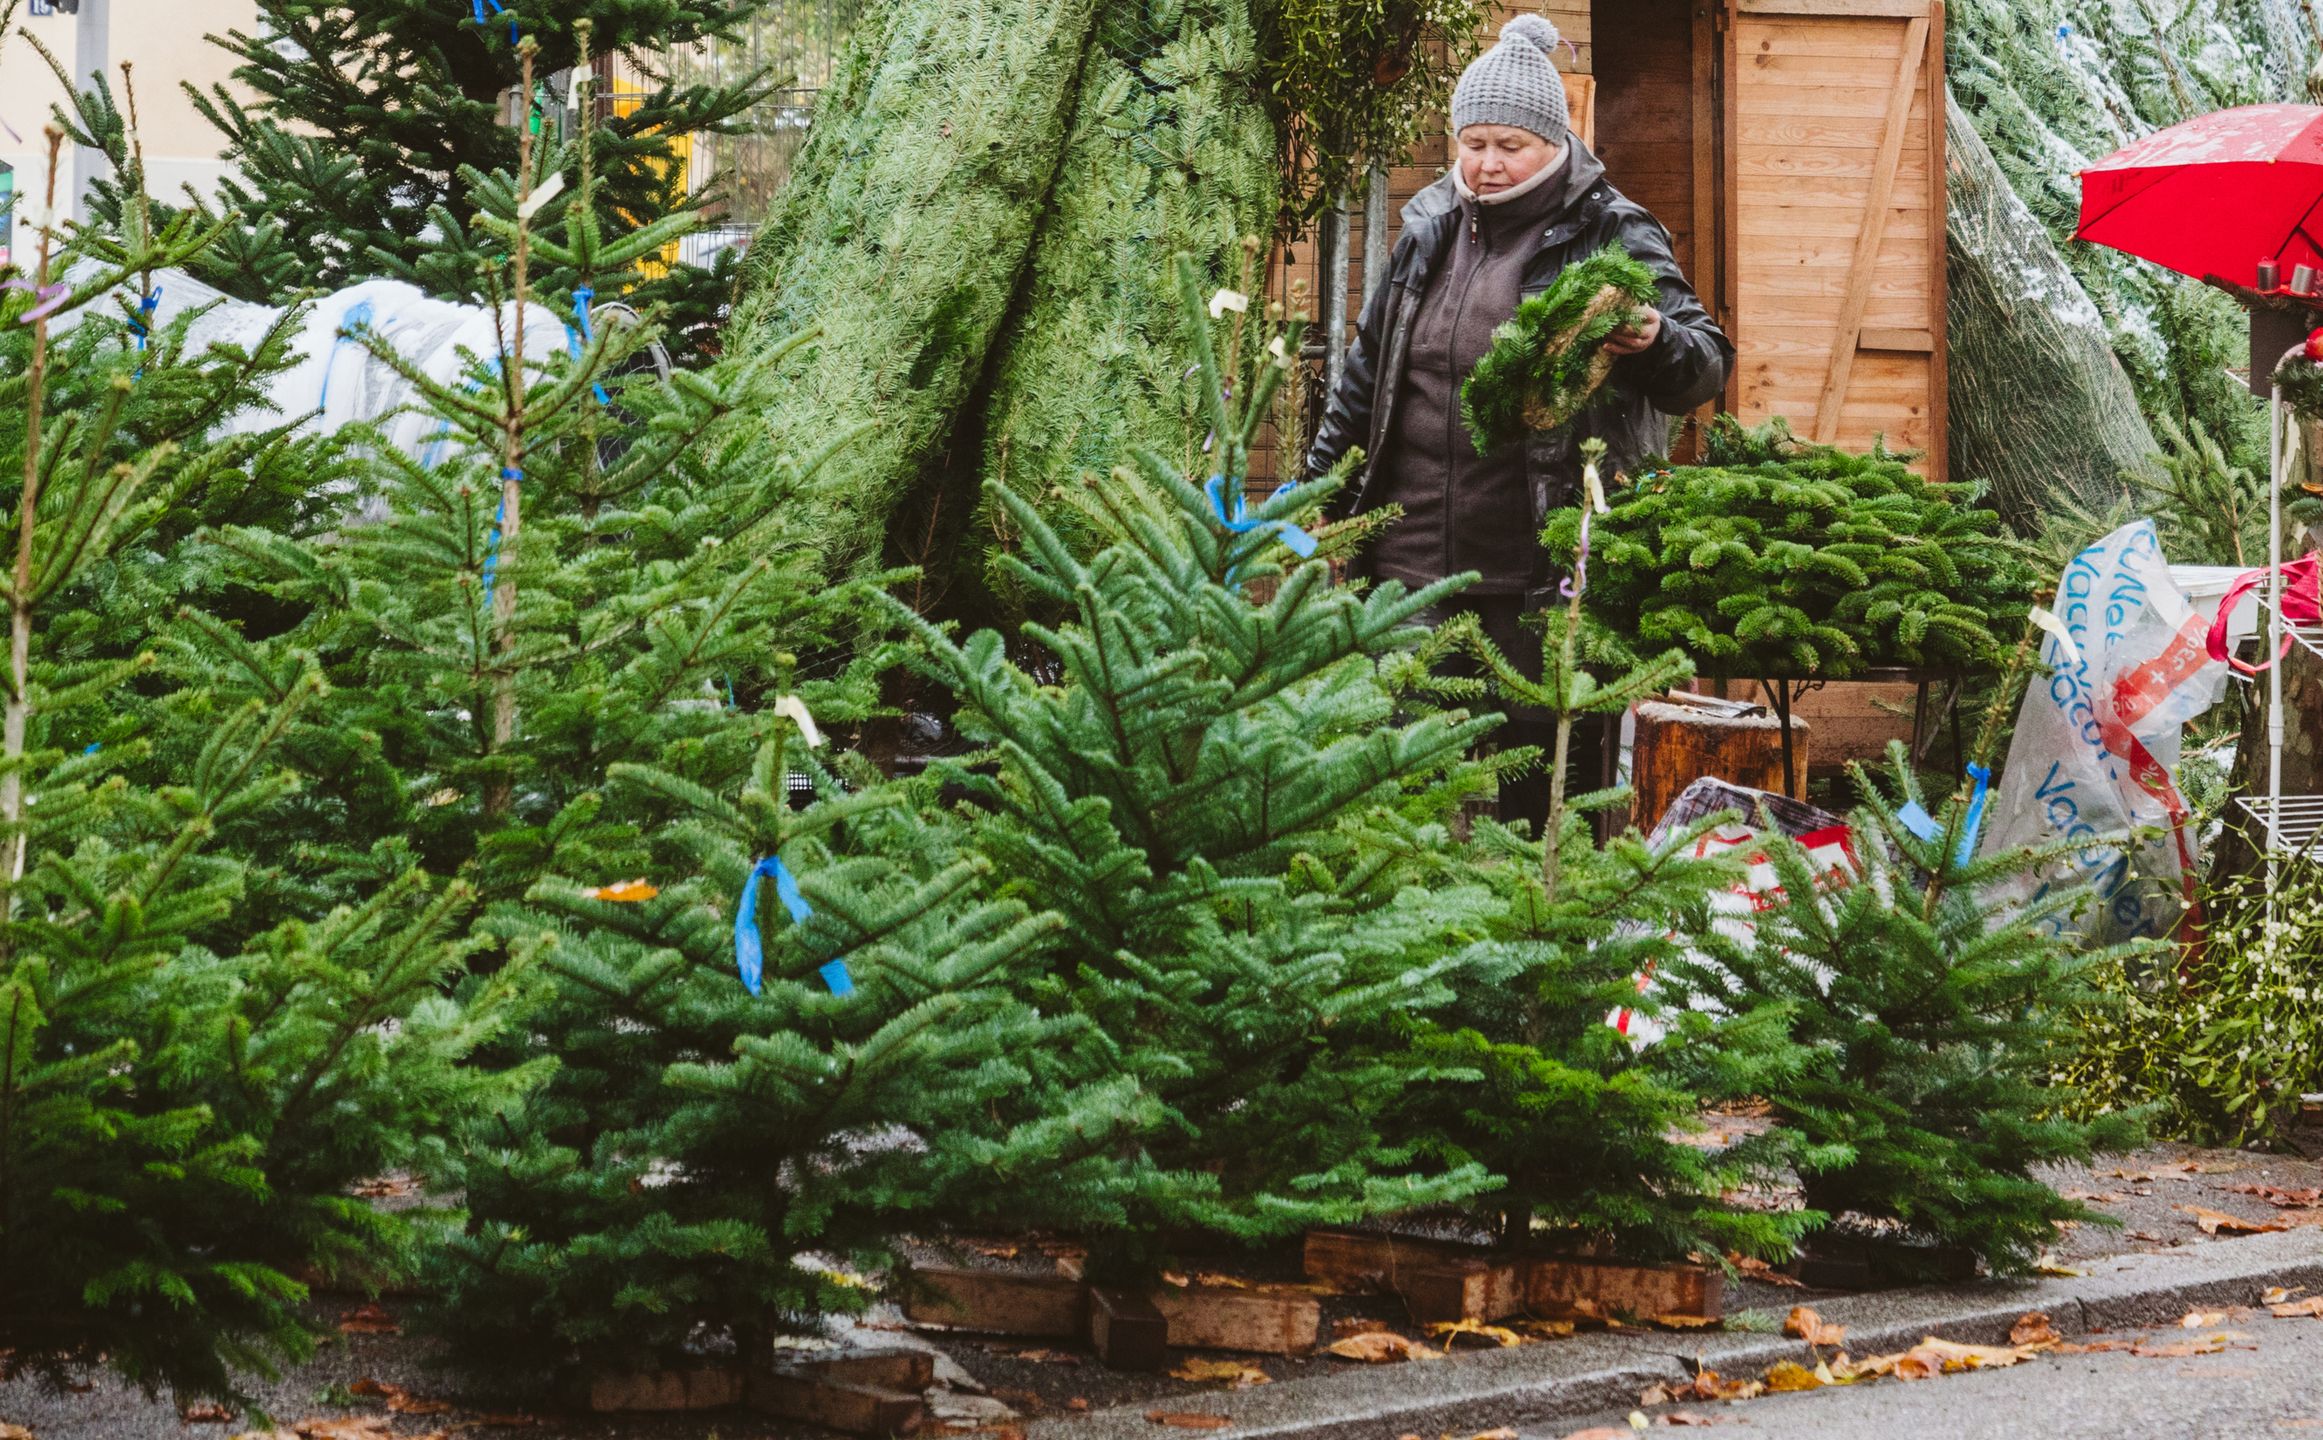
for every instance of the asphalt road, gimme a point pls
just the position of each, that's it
(2269, 1382)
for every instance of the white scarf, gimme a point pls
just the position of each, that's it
(1522, 188)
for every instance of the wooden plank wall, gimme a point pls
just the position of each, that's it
(1837, 252)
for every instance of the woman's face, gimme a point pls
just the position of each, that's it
(1495, 157)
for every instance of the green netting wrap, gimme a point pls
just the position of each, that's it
(1171, 152)
(902, 234)
(1549, 360)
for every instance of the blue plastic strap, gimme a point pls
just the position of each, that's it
(356, 317)
(1300, 542)
(492, 545)
(578, 334)
(749, 957)
(142, 326)
(497, 9)
(1982, 775)
(1919, 822)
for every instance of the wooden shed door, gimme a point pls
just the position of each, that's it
(1835, 243)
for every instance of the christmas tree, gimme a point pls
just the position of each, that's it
(186, 1093)
(1192, 796)
(360, 136)
(1171, 151)
(1939, 1020)
(1782, 559)
(1592, 1128)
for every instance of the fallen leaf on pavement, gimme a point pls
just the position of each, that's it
(2148, 1236)
(2214, 1222)
(1079, 1403)
(1686, 1322)
(2134, 1177)
(2090, 1197)
(1933, 1357)
(205, 1412)
(1347, 1325)
(1231, 1372)
(14, 1432)
(1708, 1384)
(398, 1399)
(2033, 1329)
(1049, 1357)
(2207, 1345)
(352, 1427)
(368, 1320)
(2202, 1319)
(1813, 1328)
(2050, 1265)
(1452, 1330)
(2277, 1294)
(1175, 1278)
(2293, 1309)
(1689, 1417)
(1380, 1347)
(1790, 1377)
(1179, 1420)
(1750, 1267)
(2281, 1198)
(1503, 1432)
(1544, 1329)
(1603, 1432)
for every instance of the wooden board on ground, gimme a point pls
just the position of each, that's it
(854, 1409)
(996, 1302)
(700, 1388)
(1440, 1281)
(1217, 1317)
(1127, 1330)
(1639, 1291)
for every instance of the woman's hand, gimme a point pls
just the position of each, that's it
(1633, 339)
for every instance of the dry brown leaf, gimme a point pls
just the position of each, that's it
(1202, 1371)
(1078, 1403)
(14, 1432)
(2094, 1347)
(2207, 1345)
(1933, 1357)
(206, 1412)
(1685, 1322)
(2034, 1329)
(1750, 1267)
(2050, 1265)
(1503, 1432)
(997, 1252)
(2281, 1198)
(1380, 1347)
(2214, 1222)
(1175, 1278)
(1813, 1328)
(2277, 1294)
(1790, 1377)
(1049, 1357)
(1689, 1417)
(2202, 1319)
(368, 1320)
(2294, 1309)
(2090, 1197)
(1181, 1420)
(1347, 1325)
(1220, 1279)
(2134, 1177)
(1451, 1330)
(349, 1427)
(1708, 1384)
(1544, 1329)
(1603, 1432)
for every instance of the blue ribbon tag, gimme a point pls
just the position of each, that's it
(1919, 822)
(1300, 542)
(749, 957)
(1982, 775)
(579, 334)
(492, 544)
(497, 9)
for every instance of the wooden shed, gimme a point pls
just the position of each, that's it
(1795, 150)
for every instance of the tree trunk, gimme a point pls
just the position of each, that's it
(902, 235)
(2040, 406)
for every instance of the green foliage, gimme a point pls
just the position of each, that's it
(2221, 1048)
(1784, 559)
(1548, 361)
(1202, 797)
(189, 1084)
(1171, 151)
(1936, 1020)
(1355, 81)
(920, 186)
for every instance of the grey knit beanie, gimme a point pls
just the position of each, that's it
(1515, 83)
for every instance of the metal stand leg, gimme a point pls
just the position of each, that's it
(1782, 694)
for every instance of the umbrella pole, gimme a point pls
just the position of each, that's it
(2277, 439)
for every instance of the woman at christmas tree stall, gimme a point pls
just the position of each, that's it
(1526, 199)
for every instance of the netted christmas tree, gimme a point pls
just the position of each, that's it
(1171, 151)
(1783, 559)
(187, 1092)
(1585, 1068)
(1190, 795)
(1939, 1020)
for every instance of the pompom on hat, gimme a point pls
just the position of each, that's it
(1516, 83)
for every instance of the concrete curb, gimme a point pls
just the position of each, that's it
(1475, 1391)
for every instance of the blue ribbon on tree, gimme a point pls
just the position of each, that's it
(143, 326)
(749, 958)
(1982, 775)
(497, 9)
(1917, 820)
(499, 518)
(575, 338)
(1300, 542)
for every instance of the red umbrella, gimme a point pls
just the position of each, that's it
(2216, 194)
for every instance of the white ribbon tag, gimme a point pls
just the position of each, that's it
(1595, 490)
(548, 191)
(1226, 300)
(796, 709)
(2046, 620)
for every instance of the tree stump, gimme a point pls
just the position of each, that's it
(1682, 738)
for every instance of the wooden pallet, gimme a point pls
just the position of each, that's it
(859, 1392)
(997, 1302)
(1439, 1281)
(1643, 1292)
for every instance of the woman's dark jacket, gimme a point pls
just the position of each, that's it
(1684, 368)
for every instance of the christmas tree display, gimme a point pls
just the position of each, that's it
(1938, 1019)
(1549, 360)
(1190, 798)
(1171, 151)
(1782, 559)
(922, 185)
(1590, 1128)
(188, 1086)
(359, 134)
